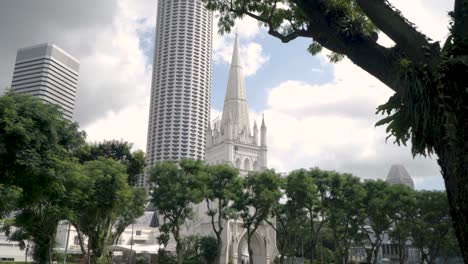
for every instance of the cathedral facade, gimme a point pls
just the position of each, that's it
(231, 140)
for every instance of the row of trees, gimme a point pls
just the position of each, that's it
(324, 212)
(48, 174)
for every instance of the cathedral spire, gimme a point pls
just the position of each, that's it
(235, 101)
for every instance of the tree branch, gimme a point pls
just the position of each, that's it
(362, 50)
(412, 42)
(271, 29)
(379, 61)
(460, 17)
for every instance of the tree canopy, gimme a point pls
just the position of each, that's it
(36, 144)
(174, 187)
(43, 182)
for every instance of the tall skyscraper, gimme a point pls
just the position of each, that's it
(181, 84)
(48, 72)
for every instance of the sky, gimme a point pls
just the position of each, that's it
(318, 114)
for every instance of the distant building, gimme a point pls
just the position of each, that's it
(141, 237)
(10, 251)
(399, 175)
(48, 72)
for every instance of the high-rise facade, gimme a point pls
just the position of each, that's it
(181, 82)
(48, 72)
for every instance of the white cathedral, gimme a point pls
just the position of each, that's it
(231, 141)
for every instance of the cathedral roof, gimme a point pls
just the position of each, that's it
(235, 102)
(399, 175)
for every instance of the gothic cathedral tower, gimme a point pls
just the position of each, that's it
(231, 140)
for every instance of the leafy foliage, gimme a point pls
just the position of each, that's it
(120, 151)
(208, 249)
(222, 185)
(261, 192)
(36, 144)
(174, 187)
(107, 192)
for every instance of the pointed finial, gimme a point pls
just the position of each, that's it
(263, 120)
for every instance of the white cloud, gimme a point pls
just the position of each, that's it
(103, 35)
(129, 124)
(314, 125)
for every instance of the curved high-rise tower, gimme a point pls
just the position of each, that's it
(181, 85)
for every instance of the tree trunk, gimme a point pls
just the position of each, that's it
(180, 257)
(80, 239)
(218, 249)
(454, 166)
(249, 248)
(282, 245)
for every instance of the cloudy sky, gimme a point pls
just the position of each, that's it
(317, 113)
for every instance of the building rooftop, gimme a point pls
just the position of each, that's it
(399, 175)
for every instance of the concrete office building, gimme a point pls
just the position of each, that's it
(48, 72)
(181, 82)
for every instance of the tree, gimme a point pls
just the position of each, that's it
(98, 209)
(404, 201)
(222, 184)
(254, 204)
(376, 217)
(429, 107)
(343, 201)
(10, 196)
(175, 186)
(36, 143)
(129, 212)
(430, 225)
(288, 225)
(120, 151)
(208, 249)
(303, 195)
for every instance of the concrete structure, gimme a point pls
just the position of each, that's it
(48, 72)
(144, 232)
(73, 245)
(181, 85)
(399, 175)
(230, 140)
(10, 251)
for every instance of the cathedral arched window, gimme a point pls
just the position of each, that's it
(238, 163)
(247, 165)
(255, 166)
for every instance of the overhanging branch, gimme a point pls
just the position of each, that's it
(412, 42)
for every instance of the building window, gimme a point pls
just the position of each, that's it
(76, 240)
(138, 232)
